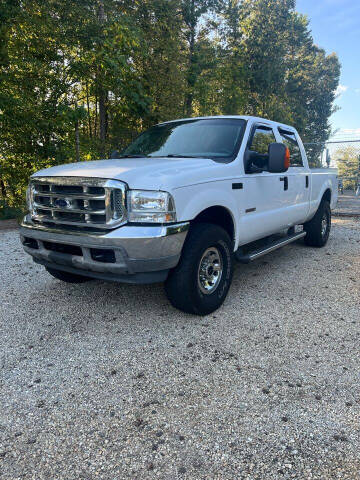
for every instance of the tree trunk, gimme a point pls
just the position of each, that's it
(102, 117)
(96, 117)
(102, 95)
(190, 77)
(77, 139)
(88, 109)
(3, 189)
(191, 24)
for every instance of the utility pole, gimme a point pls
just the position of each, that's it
(328, 158)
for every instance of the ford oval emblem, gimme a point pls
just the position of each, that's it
(62, 203)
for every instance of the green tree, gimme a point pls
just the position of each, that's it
(162, 64)
(192, 13)
(263, 25)
(35, 115)
(59, 58)
(234, 91)
(311, 81)
(79, 79)
(348, 162)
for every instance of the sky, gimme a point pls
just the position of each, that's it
(335, 26)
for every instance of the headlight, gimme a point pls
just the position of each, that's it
(153, 207)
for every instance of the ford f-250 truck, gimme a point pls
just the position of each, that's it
(179, 205)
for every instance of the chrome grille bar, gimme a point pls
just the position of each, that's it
(78, 201)
(85, 196)
(67, 210)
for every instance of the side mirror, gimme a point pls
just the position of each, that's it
(279, 158)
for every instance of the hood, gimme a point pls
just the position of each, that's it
(141, 173)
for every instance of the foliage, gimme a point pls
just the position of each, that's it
(80, 79)
(348, 161)
(7, 213)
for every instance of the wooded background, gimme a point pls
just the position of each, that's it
(81, 78)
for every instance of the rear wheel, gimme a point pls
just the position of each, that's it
(200, 282)
(67, 277)
(318, 228)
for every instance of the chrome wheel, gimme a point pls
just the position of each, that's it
(210, 270)
(324, 225)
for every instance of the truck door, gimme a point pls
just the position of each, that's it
(265, 204)
(298, 178)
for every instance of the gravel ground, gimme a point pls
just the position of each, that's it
(348, 205)
(107, 381)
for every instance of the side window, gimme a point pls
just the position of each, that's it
(261, 140)
(289, 139)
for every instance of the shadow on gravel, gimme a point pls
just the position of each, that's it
(149, 302)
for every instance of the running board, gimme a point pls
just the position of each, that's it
(249, 257)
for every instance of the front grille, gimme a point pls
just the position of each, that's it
(86, 202)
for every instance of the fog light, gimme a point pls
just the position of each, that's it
(102, 255)
(30, 243)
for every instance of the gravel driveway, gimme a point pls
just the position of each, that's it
(107, 381)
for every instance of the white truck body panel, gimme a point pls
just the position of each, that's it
(260, 208)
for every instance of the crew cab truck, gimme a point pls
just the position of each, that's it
(179, 205)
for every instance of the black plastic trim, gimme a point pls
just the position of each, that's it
(136, 278)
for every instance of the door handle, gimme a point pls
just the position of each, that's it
(307, 181)
(286, 182)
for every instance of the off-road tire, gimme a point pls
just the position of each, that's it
(183, 286)
(316, 235)
(67, 276)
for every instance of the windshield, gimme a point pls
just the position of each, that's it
(218, 139)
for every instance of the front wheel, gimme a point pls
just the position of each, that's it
(200, 282)
(318, 228)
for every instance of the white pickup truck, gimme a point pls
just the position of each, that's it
(179, 205)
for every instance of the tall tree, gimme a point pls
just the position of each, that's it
(79, 79)
(348, 161)
(102, 93)
(311, 81)
(234, 92)
(192, 12)
(162, 63)
(264, 25)
(53, 49)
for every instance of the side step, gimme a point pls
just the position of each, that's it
(270, 247)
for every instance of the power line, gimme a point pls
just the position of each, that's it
(334, 141)
(339, 139)
(344, 137)
(344, 141)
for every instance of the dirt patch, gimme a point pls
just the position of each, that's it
(348, 206)
(6, 225)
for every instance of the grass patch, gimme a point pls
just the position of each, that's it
(9, 213)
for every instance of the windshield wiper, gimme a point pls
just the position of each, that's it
(133, 156)
(178, 155)
(171, 155)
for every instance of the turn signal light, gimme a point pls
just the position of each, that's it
(287, 158)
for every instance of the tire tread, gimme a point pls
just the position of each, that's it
(178, 287)
(313, 236)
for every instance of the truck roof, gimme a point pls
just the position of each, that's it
(244, 117)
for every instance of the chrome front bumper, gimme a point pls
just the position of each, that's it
(142, 254)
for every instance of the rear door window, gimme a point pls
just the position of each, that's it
(289, 139)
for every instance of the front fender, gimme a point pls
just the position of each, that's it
(192, 200)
